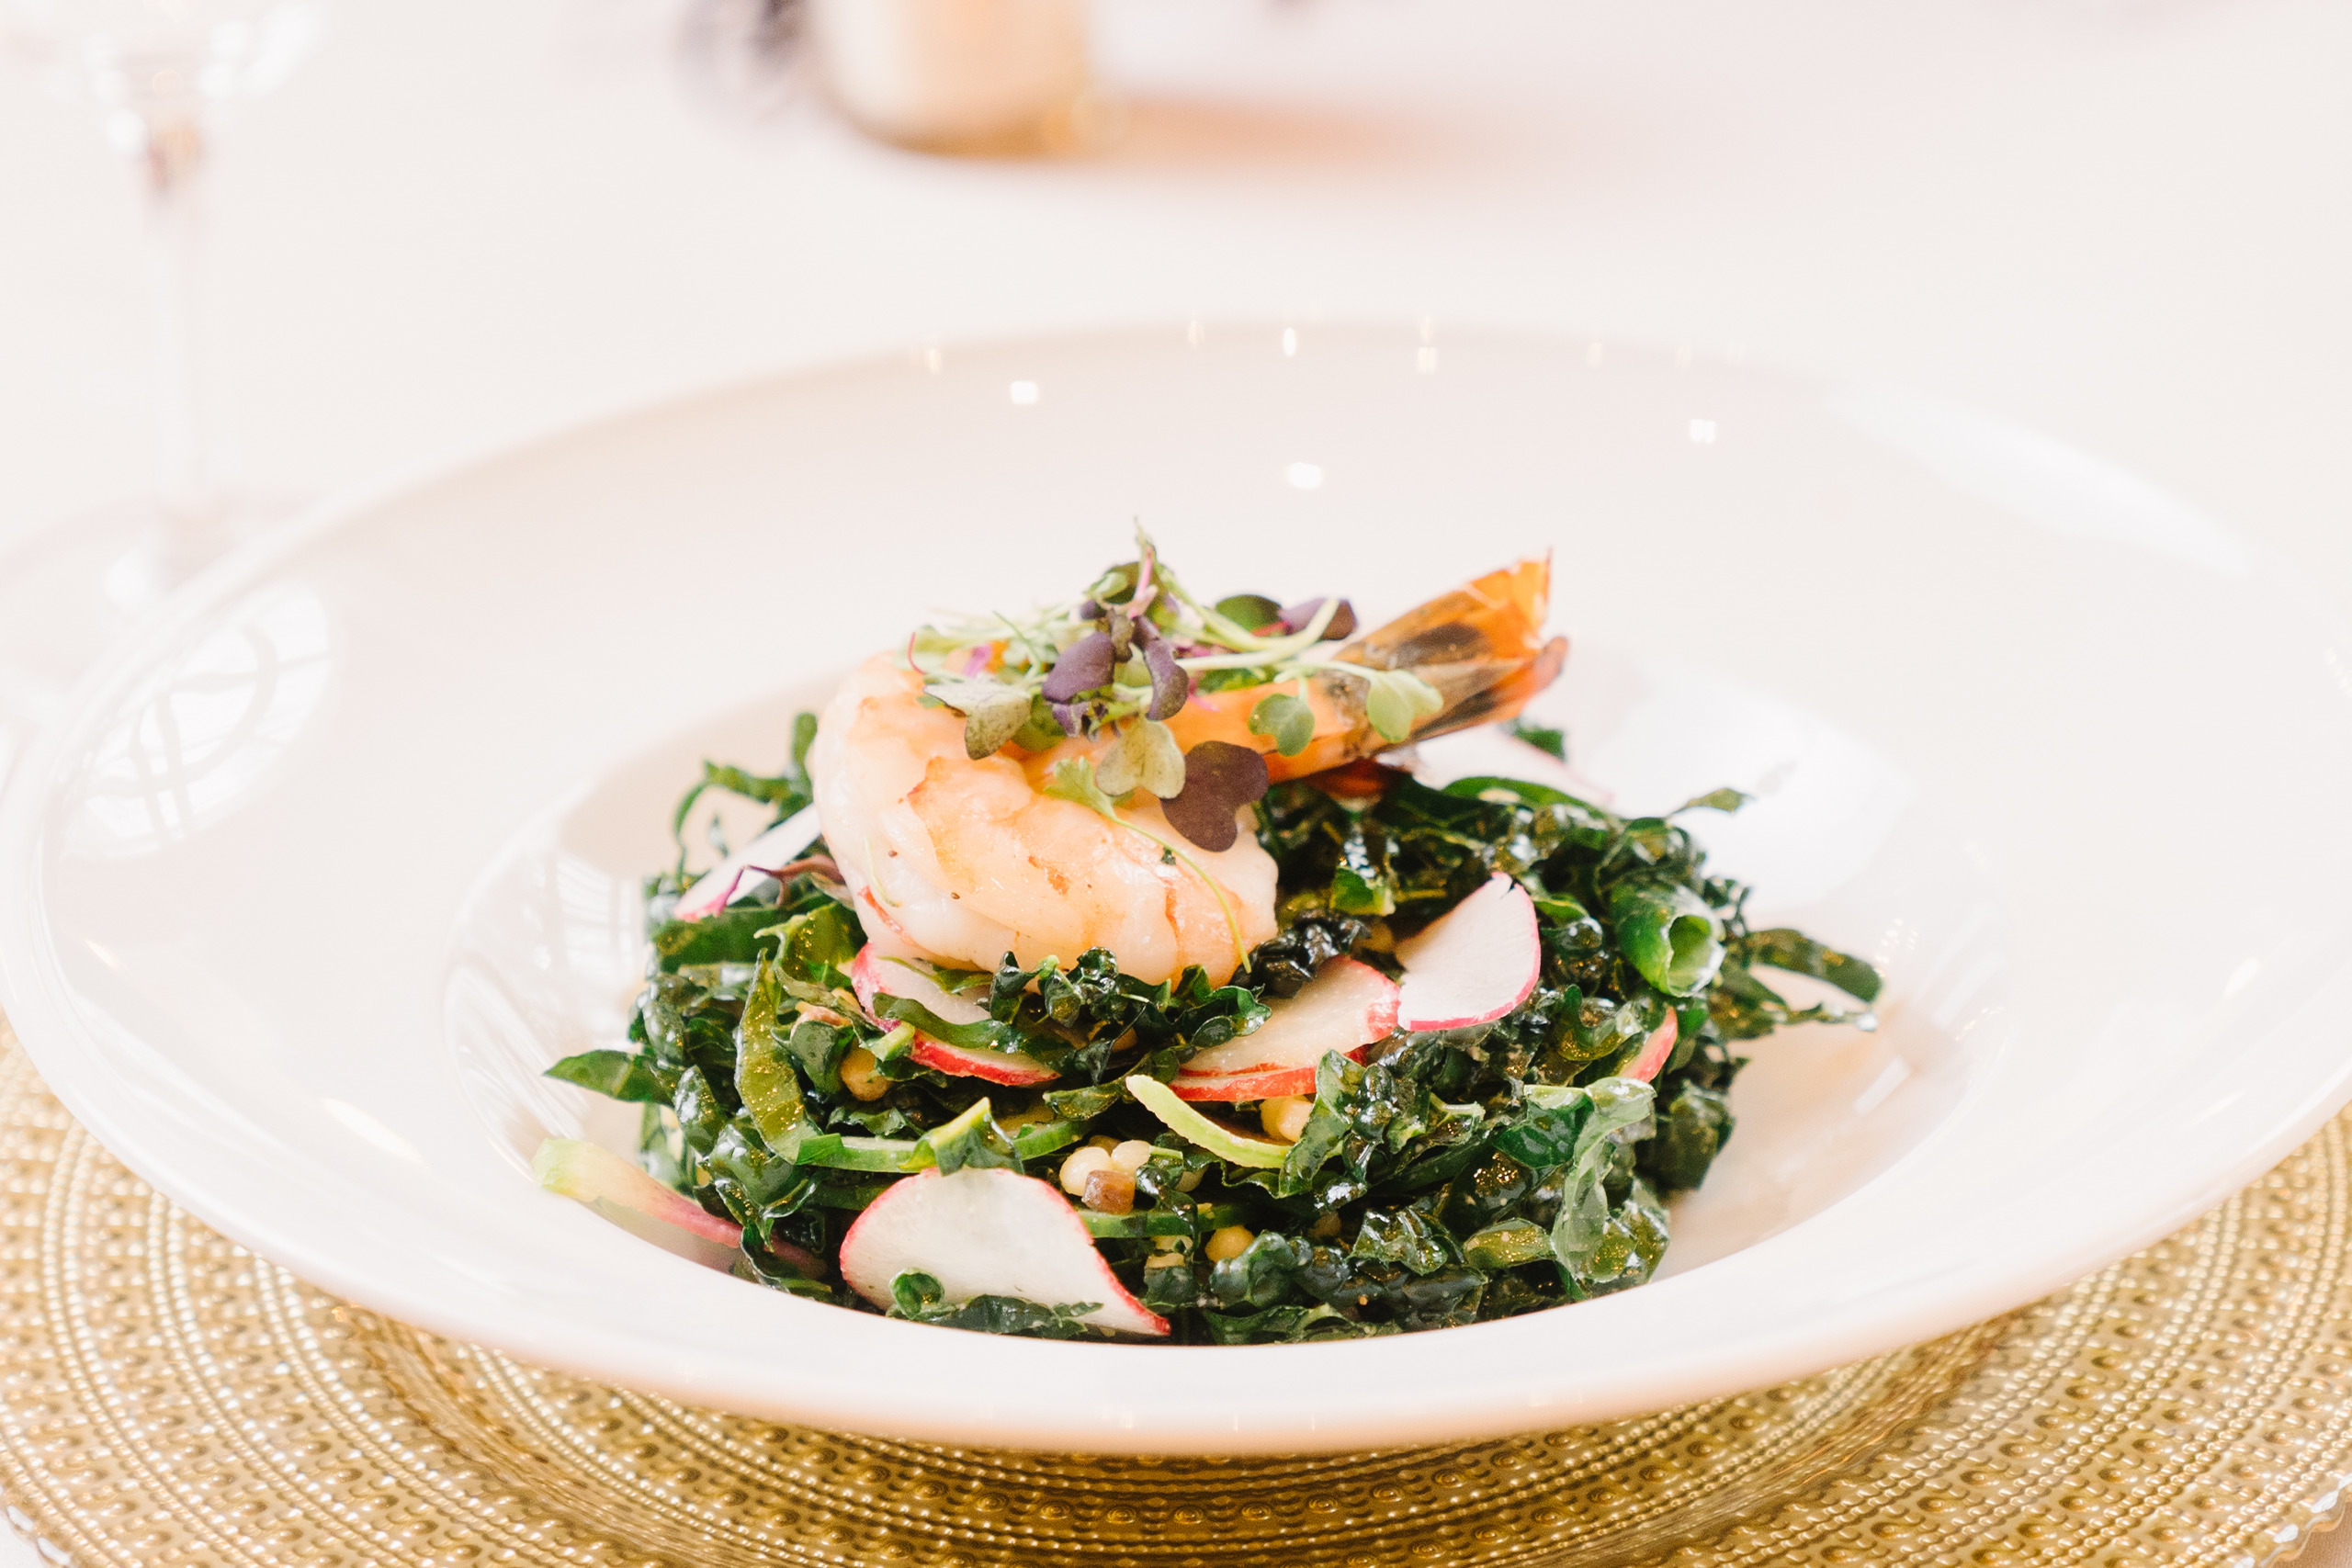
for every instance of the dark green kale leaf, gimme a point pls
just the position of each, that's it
(787, 792)
(1450, 1177)
(1554, 741)
(622, 1075)
(738, 935)
(1800, 954)
(919, 1298)
(1691, 1130)
(1287, 1325)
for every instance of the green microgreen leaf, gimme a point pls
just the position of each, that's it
(1145, 757)
(1073, 780)
(993, 713)
(1287, 719)
(1396, 700)
(1249, 611)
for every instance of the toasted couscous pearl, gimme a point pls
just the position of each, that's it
(1286, 1118)
(1110, 1191)
(1130, 1156)
(1082, 1163)
(862, 1074)
(1166, 1252)
(1232, 1241)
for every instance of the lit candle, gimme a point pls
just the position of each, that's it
(955, 74)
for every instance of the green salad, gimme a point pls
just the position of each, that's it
(1411, 1057)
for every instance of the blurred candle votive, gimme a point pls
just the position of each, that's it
(957, 75)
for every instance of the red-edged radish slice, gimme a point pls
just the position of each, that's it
(772, 849)
(1231, 1089)
(1655, 1049)
(1473, 963)
(590, 1171)
(1013, 1069)
(988, 1233)
(872, 975)
(1345, 1008)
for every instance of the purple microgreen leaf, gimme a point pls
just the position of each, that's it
(1171, 687)
(1084, 665)
(1087, 610)
(1289, 721)
(1343, 619)
(1068, 716)
(1221, 778)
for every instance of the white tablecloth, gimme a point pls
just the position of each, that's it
(2129, 224)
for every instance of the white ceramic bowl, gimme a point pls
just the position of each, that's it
(330, 862)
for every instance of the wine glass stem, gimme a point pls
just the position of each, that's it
(174, 165)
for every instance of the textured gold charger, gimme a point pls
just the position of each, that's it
(166, 1398)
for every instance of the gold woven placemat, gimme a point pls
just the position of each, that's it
(168, 1399)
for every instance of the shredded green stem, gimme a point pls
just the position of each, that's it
(1300, 645)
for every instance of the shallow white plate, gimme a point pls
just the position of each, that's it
(330, 864)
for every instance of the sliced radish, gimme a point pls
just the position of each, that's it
(1014, 1070)
(988, 1233)
(770, 851)
(590, 1171)
(1655, 1049)
(1475, 963)
(871, 975)
(1231, 1089)
(1345, 1008)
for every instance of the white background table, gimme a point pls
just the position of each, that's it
(2127, 224)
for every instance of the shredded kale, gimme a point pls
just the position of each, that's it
(1449, 1177)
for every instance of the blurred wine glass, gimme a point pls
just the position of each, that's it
(152, 72)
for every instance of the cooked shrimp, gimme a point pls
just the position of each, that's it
(1481, 646)
(961, 862)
